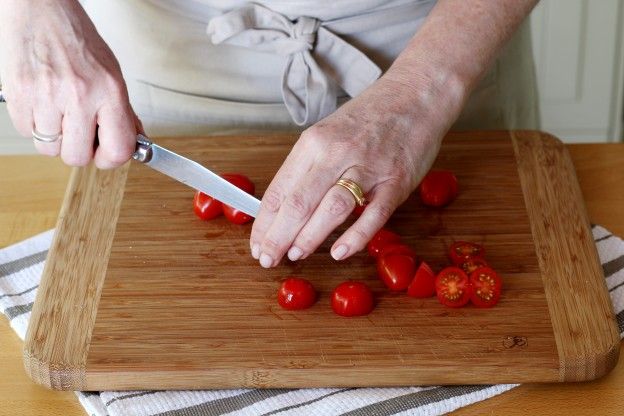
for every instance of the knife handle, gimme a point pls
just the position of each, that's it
(143, 152)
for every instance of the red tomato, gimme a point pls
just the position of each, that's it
(206, 207)
(296, 293)
(382, 238)
(438, 188)
(352, 299)
(396, 249)
(235, 216)
(471, 265)
(461, 251)
(486, 287)
(396, 271)
(453, 287)
(423, 284)
(358, 210)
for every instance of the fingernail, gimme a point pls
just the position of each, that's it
(295, 253)
(255, 251)
(266, 261)
(339, 252)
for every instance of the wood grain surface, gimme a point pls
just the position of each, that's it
(34, 185)
(178, 295)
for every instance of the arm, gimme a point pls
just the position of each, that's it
(387, 138)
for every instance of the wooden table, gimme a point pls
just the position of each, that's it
(31, 190)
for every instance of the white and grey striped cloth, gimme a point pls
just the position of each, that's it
(21, 266)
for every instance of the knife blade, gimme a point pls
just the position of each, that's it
(194, 175)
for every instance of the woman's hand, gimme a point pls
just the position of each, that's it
(385, 140)
(59, 76)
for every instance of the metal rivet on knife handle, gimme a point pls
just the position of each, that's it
(143, 152)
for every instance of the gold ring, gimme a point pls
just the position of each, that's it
(355, 190)
(45, 138)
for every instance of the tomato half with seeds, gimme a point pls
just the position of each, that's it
(206, 207)
(396, 271)
(296, 293)
(438, 188)
(461, 251)
(382, 238)
(471, 265)
(243, 182)
(453, 287)
(352, 299)
(423, 283)
(486, 287)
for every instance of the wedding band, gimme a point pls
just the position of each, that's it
(355, 190)
(45, 138)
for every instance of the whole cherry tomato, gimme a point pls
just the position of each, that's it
(471, 265)
(206, 207)
(423, 284)
(486, 287)
(382, 238)
(296, 293)
(352, 299)
(438, 188)
(235, 216)
(461, 251)
(453, 287)
(396, 270)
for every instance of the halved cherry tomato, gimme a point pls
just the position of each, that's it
(486, 287)
(423, 284)
(396, 270)
(396, 249)
(206, 207)
(471, 265)
(453, 287)
(460, 251)
(235, 216)
(352, 299)
(381, 239)
(296, 293)
(438, 188)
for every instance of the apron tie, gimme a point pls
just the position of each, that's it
(318, 63)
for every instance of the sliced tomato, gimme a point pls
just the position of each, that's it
(461, 251)
(382, 238)
(423, 283)
(471, 265)
(396, 249)
(486, 287)
(453, 287)
(206, 207)
(352, 299)
(296, 293)
(232, 214)
(396, 270)
(438, 188)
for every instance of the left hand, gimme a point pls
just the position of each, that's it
(385, 140)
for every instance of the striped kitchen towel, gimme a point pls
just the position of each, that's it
(21, 266)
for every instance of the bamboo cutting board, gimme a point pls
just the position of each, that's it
(138, 293)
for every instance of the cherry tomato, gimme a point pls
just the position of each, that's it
(453, 287)
(352, 299)
(423, 284)
(486, 287)
(396, 249)
(396, 271)
(382, 238)
(358, 210)
(471, 265)
(232, 214)
(206, 207)
(438, 188)
(460, 251)
(296, 293)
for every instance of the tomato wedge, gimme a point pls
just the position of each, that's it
(232, 214)
(396, 270)
(296, 293)
(453, 287)
(382, 238)
(471, 265)
(206, 207)
(352, 299)
(486, 287)
(461, 251)
(396, 249)
(423, 284)
(438, 188)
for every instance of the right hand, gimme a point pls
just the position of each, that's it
(59, 76)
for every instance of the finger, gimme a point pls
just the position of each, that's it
(117, 136)
(78, 137)
(21, 113)
(335, 207)
(47, 120)
(384, 200)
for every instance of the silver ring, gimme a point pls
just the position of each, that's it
(45, 138)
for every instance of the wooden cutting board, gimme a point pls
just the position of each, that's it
(138, 293)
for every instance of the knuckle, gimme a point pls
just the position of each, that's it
(114, 86)
(119, 155)
(47, 150)
(272, 200)
(297, 205)
(360, 236)
(271, 247)
(339, 205)
(382, 212)
(75, 159)
(306, 242)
